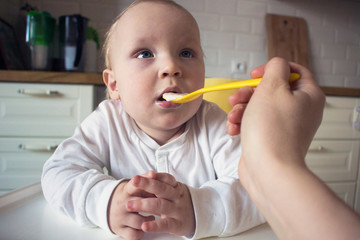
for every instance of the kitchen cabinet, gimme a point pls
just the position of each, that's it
(34, 119)
(334, 153)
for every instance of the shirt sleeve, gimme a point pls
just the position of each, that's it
(73, 179)
(223, 207)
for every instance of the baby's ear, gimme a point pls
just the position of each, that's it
(110, 82)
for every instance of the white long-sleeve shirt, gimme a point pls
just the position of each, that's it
(204, 157)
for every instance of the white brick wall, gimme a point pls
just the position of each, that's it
(333, 31)
(235, 30)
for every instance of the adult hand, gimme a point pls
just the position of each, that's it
(277, 127)
(279, 118)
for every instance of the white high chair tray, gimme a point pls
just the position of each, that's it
(24, 214)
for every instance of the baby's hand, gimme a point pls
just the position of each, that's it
(124, 223)
(171, 201)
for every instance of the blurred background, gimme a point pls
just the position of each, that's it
(233, 31)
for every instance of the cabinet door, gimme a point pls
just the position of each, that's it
(43, 110)
(22, 160)
(357, 197)
(334, 160)
(338, 118)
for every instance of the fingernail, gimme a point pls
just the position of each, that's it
(130, 205)
(151, 174)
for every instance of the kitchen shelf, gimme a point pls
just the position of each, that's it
(96, 79)
(338, 91)
(51, 77)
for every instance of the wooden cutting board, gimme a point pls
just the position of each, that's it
(287, 37)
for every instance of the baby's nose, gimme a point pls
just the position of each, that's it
(169, 73)
(170, 69)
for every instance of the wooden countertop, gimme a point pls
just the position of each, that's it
(338, 91)
(51, 77)
(96, 79)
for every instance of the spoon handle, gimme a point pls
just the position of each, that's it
(239, 84)
(231, 85)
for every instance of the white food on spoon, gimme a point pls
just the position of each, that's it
(171, 96)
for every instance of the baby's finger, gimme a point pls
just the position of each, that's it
(135, 220)
(132, 188)
(155, 187)
(166, 178)
(169, 225)
(149, 174)
(162, 177)
(130, 233)
(157, 206)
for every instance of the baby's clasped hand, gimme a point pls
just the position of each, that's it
(153, 193)
(171, 201)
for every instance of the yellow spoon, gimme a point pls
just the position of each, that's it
(187, 97)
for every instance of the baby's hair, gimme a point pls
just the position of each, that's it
(106, 48)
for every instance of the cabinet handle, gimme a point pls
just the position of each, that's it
(38, 92)
(38, 148)
(356, 118)
(317, 149)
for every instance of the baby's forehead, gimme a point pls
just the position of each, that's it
(142, 8)
(133, 25)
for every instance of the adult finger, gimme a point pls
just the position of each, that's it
(236, 114)
(258, 72)
(277, 73)
(243, 95)
(306, 83)
(239, 101)
(232, 128)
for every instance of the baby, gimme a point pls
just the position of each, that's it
(175, 161)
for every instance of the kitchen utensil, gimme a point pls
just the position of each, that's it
(73, 32)
(287, 37)
(187, 97)
(39, 36)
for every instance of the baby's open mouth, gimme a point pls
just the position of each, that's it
(161, 99)
(165, 95)
(172, 96)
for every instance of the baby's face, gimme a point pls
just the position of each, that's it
(156, 49)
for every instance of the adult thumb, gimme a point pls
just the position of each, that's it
(277, 73)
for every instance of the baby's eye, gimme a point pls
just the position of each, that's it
(145, 54)
(186, 54)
